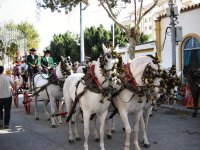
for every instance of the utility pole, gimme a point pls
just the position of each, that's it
(173, 32)
(82, 50)
(113, 34)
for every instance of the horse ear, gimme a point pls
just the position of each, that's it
(62, 58)
(105, 49)
(117, 48)
(179, 74)
(68, 57)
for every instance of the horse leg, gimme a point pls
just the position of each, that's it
(86, 119)
(113, 126)
(68, 107)
(144, 133)
(108, 129)
(137, 118)
(124, 117)
(35, 100)
(46, 111)
(76, 119)
(53, 111)
(102, 124)
(60, 110)
(96, 133)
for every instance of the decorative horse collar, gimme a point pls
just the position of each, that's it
(91, 81)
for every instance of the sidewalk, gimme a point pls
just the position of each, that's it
(179, 108)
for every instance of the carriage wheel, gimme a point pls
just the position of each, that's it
(26, 102)
(15, 96)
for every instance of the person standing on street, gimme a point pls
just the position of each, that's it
(5, 98)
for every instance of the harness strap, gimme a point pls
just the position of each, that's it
(47, 92)
(76, 101)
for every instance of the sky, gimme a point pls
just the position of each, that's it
(49, 23)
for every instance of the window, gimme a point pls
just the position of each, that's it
(191, 52)
(150, 27)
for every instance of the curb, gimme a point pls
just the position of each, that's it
(180, 109)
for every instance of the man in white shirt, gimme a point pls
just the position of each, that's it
(6, 84)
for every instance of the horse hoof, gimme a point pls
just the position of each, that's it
(146, 145)
(97, 139)
(36, 118)
(109, 136)
(194, 114)
(53, 126)
(112, 131)
(78, 139)
(48, 119)
(71, 141)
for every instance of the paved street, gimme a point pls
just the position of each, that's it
(168, 130)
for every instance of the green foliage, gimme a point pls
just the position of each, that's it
(94, 37)
(31, 34)
(28, 31)
(142, 38)
(64, 45)
(32, 37)
(120, 36)
(56, 5)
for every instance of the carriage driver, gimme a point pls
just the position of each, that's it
(47, 62)
(33, 62)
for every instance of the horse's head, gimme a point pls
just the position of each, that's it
(109, 64)
(150, 70)
(64, 68)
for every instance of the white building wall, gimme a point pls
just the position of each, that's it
(190, 23)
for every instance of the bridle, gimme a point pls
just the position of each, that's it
(65, 69)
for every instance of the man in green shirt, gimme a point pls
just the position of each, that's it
(33, 62)
(47, 62)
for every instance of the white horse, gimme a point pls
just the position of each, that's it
(48, 90)
(128, 101)
(90, 102)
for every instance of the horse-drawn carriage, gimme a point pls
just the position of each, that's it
(48, 87)
(23, 85)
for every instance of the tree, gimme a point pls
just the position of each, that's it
(28, 30)
(64, 45)
(142, 38)
(94, 37)
(113, 9)
(31, 34)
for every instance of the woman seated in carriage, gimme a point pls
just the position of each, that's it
(47, 62)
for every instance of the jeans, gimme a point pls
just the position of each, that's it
(6, 104)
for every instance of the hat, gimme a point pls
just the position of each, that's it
(33, 49)
(47, 51)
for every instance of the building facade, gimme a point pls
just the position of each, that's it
(188, 50)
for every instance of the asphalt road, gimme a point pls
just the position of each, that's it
(168, 130)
